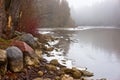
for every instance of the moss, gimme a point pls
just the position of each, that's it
(4, 43)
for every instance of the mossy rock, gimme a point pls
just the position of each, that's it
(68, 71)
(87, 73)
(50, 67)
(40, 73)
(54, 62)
(76, 74)
(4, 43)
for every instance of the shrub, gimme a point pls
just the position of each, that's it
(29, 21)
(29, 25)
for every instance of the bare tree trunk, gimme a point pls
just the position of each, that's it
(2, 17)
(9, 17)
(14, 14)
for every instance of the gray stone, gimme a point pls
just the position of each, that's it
(30, 58)
(29, 39)
(15, 59)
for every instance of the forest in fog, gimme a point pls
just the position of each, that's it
(28, 15)
(49, 13)
(54, 13)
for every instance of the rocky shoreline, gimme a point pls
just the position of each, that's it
(23, 60)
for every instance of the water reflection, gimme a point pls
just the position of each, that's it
(99, 50)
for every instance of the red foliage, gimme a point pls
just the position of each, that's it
(28, 21)
(30, 25)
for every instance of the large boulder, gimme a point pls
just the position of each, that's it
(15, 59)
(30, 57)
(3, 62)
(29, 39)
(22, 46)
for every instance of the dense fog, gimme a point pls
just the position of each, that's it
(95, 12)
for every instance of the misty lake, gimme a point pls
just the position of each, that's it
(98, 49)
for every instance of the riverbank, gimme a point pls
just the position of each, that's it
(95, 48)
(37, 68)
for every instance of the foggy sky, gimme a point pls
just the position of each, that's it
(95, 12)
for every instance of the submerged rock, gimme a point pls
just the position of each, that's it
(3, 62)
(87, 73)
(15, 59)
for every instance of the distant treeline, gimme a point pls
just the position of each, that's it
(53, 13)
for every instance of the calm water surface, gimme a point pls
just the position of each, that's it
(98, 49)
